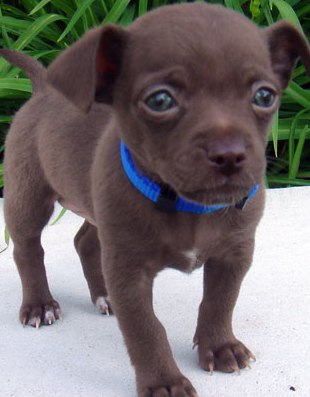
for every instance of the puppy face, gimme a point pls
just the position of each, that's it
(198, 102)
(193, 89)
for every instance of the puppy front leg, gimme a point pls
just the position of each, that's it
(218, 348)
(130, 290)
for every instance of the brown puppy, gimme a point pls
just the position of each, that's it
(190, 90)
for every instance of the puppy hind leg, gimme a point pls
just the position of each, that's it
(87, 245)
(28, 208)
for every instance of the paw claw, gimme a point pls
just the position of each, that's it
(58, 315)
(103, 306)
(252, 356)
(40, 314)
(230, 357)
(35, 322)
(49, 318)
(173, 388)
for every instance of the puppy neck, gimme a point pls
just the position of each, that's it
(163, 196)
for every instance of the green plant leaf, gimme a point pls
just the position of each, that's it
(298, 153)
(142, 7)
(13, 11)
(128, 16)
(29, 4)
(116, 11)
(275, 132)
(35, 28)
(6, 236)
(234, 5)
(5, 120)
(255, 8)
(159, 3)
(302, 116)
(16, 84)
(60, 215)
(76, 16)
(64, 6)
(287, 12)
(16, 24)
(39, 6)
(304, 11)
(298, 94)
(284, 181)
(5, 35)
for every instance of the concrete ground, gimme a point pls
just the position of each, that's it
(84, 355)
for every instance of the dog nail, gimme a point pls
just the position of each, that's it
(37, 322)
(252, 357)
(58, 314)
(49, 317)
(211, 369)
(102, 305)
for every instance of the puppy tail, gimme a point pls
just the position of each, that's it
(34, 69)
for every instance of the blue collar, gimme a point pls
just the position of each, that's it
(163, 196)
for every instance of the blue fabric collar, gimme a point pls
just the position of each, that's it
(164, 197)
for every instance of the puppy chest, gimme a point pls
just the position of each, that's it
(186, 260)
(190, 259)
(191, 241)
(193, 258)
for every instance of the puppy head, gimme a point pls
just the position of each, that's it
(194, 88)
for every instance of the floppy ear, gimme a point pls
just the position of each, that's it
(87, 70)
(286, 45)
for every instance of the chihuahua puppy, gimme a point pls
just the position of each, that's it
(155, 134)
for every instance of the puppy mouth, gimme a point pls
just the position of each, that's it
(223, 194)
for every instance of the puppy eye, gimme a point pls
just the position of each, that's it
(160, 101)
(264, 98)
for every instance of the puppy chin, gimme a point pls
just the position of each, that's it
(229, 195)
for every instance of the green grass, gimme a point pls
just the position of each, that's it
(43, 29)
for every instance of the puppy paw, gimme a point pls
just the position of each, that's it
(103, 305)
(229, 357)
(178, 388)
(36, 315)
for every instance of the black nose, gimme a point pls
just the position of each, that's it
(228, 157)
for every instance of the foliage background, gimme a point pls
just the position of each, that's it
(43, 29)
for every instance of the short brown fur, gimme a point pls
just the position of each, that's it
(64, 145)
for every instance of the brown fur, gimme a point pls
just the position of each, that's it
(64, 145)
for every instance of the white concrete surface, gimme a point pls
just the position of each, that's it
(84, 355)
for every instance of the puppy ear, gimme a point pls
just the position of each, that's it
(286, 45)
(87, 70)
